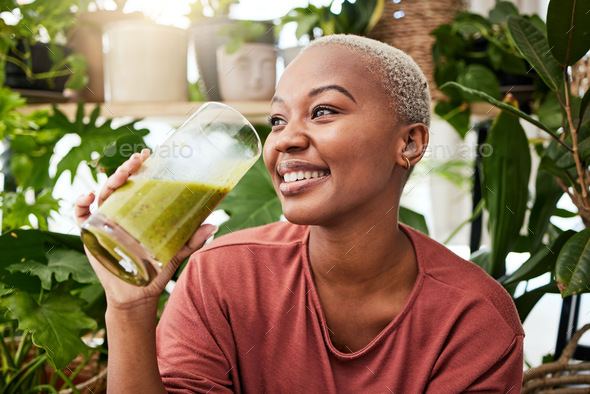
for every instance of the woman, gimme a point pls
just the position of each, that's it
(342, 298)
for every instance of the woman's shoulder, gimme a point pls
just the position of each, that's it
(458, 278)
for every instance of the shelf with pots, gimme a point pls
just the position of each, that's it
(254, 111)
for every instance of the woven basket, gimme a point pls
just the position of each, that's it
(561, 376)
(410, 33)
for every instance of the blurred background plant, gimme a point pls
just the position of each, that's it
(38, 32)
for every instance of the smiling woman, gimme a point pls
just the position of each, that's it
(341, 298)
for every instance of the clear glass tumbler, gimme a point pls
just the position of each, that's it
(146, 221)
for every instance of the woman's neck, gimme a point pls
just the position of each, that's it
(366, 255)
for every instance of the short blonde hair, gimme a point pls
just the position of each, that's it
(398, 72)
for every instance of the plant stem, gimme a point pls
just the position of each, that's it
(80, 367)
(67, 381)
(573, 131)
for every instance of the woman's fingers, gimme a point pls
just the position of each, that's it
(120, 176)
(82, 207)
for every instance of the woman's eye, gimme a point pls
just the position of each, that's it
(321, 111)
(275, 121)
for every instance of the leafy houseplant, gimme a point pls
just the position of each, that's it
(49, 295)
(563, 168)
(40, 30)
(478, 52)
(354, 18)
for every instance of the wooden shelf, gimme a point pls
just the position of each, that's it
(254, 111)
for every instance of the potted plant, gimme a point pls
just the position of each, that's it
(207, 17)
(32, 51)
(519, 223)
(313, 21)
(478, 52)
(246, 72)
(85, 38)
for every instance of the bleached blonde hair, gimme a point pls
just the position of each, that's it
(398, 73)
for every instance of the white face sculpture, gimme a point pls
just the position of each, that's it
(249, 73)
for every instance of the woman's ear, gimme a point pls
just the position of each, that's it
(415, 144)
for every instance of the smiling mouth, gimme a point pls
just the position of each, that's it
(295, 176)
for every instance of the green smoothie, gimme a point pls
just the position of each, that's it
(162, 215)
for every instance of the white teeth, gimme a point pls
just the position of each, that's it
(300, 175)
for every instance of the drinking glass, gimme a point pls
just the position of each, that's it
(145, 222)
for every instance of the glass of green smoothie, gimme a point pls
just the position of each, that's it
(145, 222)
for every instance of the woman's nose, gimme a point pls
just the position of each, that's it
(291, 138)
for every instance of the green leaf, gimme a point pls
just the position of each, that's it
(540, 262)
(532, 44)
(526, 302)
(118, 151)
(501, 12)
(547, 194)
(306, 24)
(481, 257)
(56, 323)
(413, 219)
(458, 115)
(253, 202)
(479, 77)
(550, 111)
(21, 246)
(565, 159)
(502, 106)
(568, 29)
(572, 270)
(62, 263)
(16, 211)
(505, 186)
(94, 138)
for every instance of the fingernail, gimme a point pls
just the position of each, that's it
(135, 156)
(214, 231)
(145, 152)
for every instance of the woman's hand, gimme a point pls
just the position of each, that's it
(120, 294)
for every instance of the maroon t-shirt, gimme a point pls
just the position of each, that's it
(245, 317)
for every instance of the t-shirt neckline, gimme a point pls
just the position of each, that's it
(314, 298)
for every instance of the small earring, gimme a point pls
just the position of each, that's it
(407, 163)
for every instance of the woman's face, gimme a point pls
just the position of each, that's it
(334, 141)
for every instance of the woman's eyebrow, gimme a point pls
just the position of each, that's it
(339, 88)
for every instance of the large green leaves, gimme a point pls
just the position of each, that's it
(572, 270)
(62, 263)
(568, 29)
(532, 44)
(16, 210)
(56, 323)
(253, 202)
(542, 261)
(505, 186)
(42, 274)
(94, 137)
